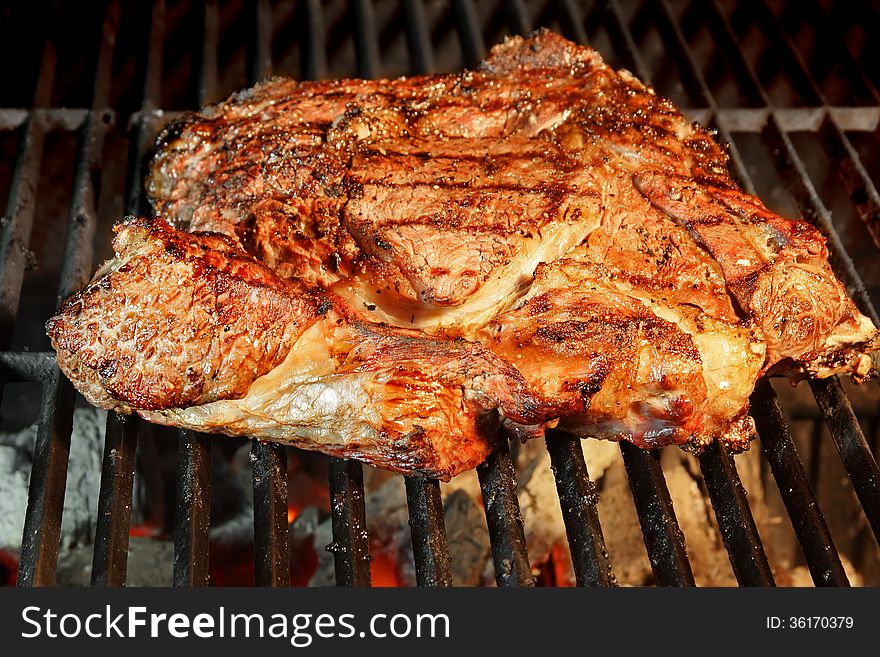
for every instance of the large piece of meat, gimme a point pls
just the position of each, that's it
(390, 269)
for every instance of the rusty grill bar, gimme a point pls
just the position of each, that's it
(462, 21)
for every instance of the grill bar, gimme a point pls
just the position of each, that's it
(473, 48)
(518, 17)
(314, 57)
(110, 558)
(797, 495)
(261, 62)
(40, 542)
(42, 522)
(663, 537)
(82, 221)
(498, 485)
(852, 446)
(744, 547)
(50, 118)
(418, 37)
(17, 228)
(365, 38)
(110, 561)
(268, 460)
(351, 540)
(862, 190)
(271, 551)
(580, 511)
(192, 510)
(430, 548)
(26, 366)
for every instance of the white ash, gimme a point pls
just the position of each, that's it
(150, 563)
(468, 537)
(83, 480)
(232, 500)
(15, 467)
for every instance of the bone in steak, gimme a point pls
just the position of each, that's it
(387, 269)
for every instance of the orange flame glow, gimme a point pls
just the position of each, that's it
(383, 570)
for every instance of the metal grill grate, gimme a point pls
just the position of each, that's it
(370, 39)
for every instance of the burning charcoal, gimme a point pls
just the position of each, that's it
(14, 474)
(81, 493)
(149, 563)
(390, 537)
(708, 557)
(620, 526)
(542, 516)
(301, 539)
(468, 537)
(390, 542)
(232, 533)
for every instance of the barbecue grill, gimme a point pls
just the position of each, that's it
(760, 72)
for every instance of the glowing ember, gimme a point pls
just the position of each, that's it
(146, 530)
(8, 568)
(383, 570)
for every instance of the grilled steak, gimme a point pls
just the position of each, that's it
(403, 264)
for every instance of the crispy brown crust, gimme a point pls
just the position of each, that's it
(777, 270)
(178, 320)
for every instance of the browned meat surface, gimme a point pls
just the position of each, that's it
(189, 330)
(541, 241)
(633, 334)
(778, 272)
(178, 320)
